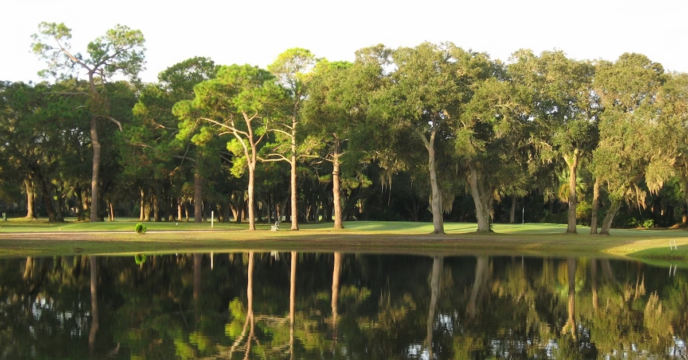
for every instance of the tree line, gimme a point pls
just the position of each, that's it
(412, 133)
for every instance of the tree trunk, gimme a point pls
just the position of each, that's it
(593, 274)
(156, 207)
(512, 213)
(317, 212)
(292, 290)
(436, 197)
(28, 268)
(142, 209)
(434, 296)
(595, 207)
(482, 197)
(573, 201)
(146, 208)
(111, 211)
(294, 194)
(235, 213)
(244, 210)
(59, 206)
(607, 223)
(179, 209)
(170, 208)
(79, 203)
(47, 201)
(292, 302)
(571, 323)
(481, 274)
(186, 211)
(327, 210)
(94, 306)
(197, 261)
(225, 211)
(249, 286)
(30, 213)
(251, 201)
(338, 224)
(198, 197)
(96, 169)
(336, 271)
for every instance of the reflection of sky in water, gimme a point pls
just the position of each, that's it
(679, 349)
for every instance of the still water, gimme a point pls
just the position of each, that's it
(339, 306)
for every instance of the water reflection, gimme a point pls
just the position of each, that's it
(339, 306)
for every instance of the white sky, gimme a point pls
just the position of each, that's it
(256, 31)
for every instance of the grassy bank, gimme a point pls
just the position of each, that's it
(24, 238)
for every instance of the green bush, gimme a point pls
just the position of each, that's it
(140, 259)
(140, 228)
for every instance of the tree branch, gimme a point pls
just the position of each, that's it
(422, 137)
(279, 157)
(283, 132)
(183, 158)
(233, 129)
(113, 120)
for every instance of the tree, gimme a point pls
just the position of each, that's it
(430, 85)
(673, 102)
(493, 137)
(564, 107)
(337, 115)
(119, 51)
(625, 156)
(156, 137)
(240, 102)
(291, 69)
(43, 137)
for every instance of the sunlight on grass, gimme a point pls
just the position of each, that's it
(21, 225)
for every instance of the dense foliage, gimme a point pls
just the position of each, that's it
(433, 132)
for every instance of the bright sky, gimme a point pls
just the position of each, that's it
(256, 31)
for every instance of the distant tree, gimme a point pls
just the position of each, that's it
(291, 68)
(156, 134)
(119, 51)
(492, 136)
(629, 150)
(428, 88)
(239, 101)
(337, 117)
(673, 102)
(42, 136)
(565, 109)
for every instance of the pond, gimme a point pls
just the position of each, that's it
(259, 305)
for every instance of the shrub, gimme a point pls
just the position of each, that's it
(140, 259)
(140, 228)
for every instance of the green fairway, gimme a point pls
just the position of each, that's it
(383, 227)
(19, 237)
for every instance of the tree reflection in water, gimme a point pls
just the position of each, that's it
(339, 306)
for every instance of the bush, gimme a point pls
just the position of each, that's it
(140, 228)
(140, 259)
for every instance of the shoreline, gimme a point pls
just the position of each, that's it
(37, 243)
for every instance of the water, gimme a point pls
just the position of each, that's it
(342, 306)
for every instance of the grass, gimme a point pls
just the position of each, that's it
(24, 238)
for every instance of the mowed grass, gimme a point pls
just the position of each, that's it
(358, 227)
(29, 238)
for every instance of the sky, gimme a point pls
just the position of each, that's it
(256, 31)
